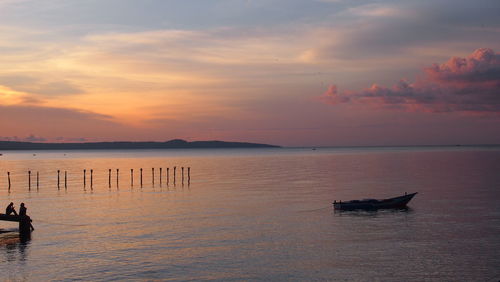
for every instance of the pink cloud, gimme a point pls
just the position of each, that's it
(469, 84)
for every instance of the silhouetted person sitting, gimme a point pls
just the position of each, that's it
(10, 209)
(22, 212)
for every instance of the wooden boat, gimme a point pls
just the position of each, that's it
(10, 217)
(372, 204)
(25, 226)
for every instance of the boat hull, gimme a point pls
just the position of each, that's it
(392, 203)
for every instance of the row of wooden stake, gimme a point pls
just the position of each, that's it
(109, 177)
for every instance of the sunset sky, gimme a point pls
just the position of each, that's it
(285, 72)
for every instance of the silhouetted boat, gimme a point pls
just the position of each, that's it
(10, 217)
(372, 204)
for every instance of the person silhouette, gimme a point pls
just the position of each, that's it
(22, 210)
(22, 213)
(10, 209)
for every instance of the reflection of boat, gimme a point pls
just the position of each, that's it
(372, 204)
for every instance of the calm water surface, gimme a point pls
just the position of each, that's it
(262, 214)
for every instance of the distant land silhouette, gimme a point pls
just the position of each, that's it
(172, 144)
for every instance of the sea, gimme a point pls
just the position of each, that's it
(252, 214)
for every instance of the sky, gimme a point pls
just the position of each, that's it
(284, 72)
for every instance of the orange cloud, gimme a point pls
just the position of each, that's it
(469, 84)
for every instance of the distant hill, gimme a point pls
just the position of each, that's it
(172, 144)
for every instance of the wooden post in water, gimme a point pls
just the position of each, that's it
(189, 175)
(117, 178)
(109, 178)
(37, 180)
(182, 169)
(175, 168)
(65, 179)
(58, 179)
(29, 180)
(141, 177)
(131, 177)
(8, 176)
(168, 175)
(153, 176)
(160, 175)
(92, 179)
(84, 178)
